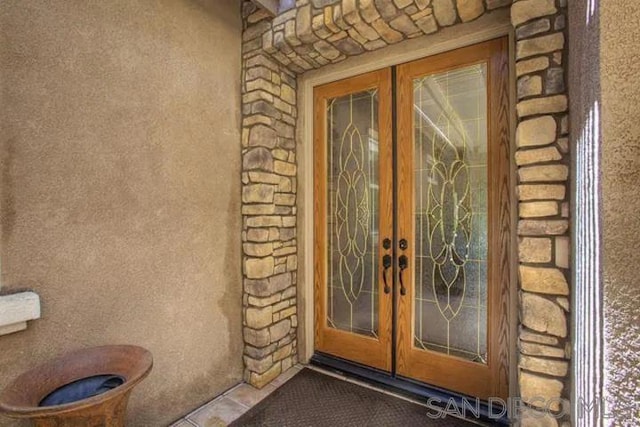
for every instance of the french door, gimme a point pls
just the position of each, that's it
(412, 219)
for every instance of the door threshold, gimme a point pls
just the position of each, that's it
(437, 400)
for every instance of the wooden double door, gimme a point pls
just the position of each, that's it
(412, 219)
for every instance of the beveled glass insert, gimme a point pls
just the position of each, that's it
(450, 131)
(352, 213)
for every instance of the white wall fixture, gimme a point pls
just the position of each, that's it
(16, 310)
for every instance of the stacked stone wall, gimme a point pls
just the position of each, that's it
(269, 187)
(319, 32)
(542, 159)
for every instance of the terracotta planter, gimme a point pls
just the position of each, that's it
(22, 397)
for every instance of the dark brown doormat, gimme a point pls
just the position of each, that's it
(313, 399)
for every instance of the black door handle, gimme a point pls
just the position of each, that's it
(386, 263)
(403, 263)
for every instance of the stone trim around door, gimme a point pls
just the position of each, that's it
(320, 32)
(269, 242)
(542, 160)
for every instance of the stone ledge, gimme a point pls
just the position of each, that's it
(16, 310)
(271, 6)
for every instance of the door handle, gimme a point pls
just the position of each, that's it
(403, 263)
(386, 264)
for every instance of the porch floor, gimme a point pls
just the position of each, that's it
(229, 406)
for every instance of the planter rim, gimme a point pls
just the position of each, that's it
(143, 360)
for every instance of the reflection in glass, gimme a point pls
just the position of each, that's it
(352, 195)
(450, 133)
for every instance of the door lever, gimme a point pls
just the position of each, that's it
(403, 263)
(386, 263)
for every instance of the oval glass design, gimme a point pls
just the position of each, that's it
(352, 186)
(352, 213)
(450, 131)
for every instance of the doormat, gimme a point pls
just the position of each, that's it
(313, 399)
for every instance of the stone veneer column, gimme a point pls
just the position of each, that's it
(268, 212)
(318, 32)
(542, 159)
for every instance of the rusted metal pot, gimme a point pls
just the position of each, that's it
(21, 399)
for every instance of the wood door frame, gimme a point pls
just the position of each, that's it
(484, 381)
(393, 55)
(359, 348)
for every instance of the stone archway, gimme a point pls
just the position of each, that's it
(320, 32)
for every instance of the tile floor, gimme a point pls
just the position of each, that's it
(234, 402)
(230, 405)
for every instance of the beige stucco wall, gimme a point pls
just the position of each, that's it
(605, 66)
(620, 68)
(584, 95)
(120, 188)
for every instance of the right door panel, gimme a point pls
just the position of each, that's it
(454, 212)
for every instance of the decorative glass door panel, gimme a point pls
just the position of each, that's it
(454, 211)
(352, 215)
(353, 187)
(450, 165)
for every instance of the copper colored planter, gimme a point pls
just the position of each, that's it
(22, 397)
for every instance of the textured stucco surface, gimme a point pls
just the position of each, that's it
(584, 96)
(120, 188)
(606, 56)
(620, 68)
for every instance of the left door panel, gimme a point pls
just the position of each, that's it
(353, 215)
